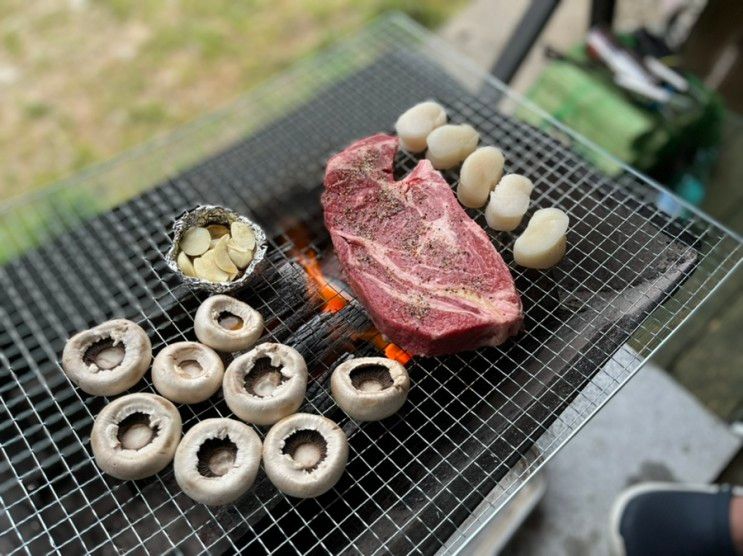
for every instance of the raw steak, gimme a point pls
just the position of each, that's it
(427, 273)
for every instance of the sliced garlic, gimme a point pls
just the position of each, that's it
(239, 256)
(242, 236)
(480, 173)
(207, 269)
(222, 258)
(217, 230)
(449, 145)
(543, 243)
(414, 125)
(508, 203)
(195, 241)
(185, 264)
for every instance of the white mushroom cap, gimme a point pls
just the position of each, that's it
(135, 436)
(109, 358)
(304, 455)
(209, 331)
(370, 388)
(217, 461)
(187, 372)
(263, 393)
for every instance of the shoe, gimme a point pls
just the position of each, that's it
(661, 519)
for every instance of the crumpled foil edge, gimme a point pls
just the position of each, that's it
(204, 215)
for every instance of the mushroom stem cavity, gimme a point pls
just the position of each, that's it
(136, 431)
(229, 321)
(264, 378)
(217, 461)
(187, 372)
(190, 367)
(135, 436)
(216, 456)
(266, 383)
(307, 448)
(371, 378)
(370, 388)
(106, 354)
(109, 358)
(227, 324)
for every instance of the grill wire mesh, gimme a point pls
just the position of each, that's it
(474, 423)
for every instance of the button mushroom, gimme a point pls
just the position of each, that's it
(217, 461)
(370, 388)
(187, 372)
(265, 384)
(227, 324)
(109, 358)
(135, 436)
(304, 455)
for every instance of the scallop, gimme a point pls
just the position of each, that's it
(415, 124)
(508, 202)
(543, 243)
(449, 145)
(480, 173)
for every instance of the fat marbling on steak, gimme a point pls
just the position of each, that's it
(429, 276)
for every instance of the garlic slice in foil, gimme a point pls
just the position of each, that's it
(185, 264)
(217, 230)
(207, 269)
(195, 241)
(241, 257)
(243, 236)
(222, 258)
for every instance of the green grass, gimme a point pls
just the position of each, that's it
(98, 79)
(36, 110)
(12, 43)
(31, 224)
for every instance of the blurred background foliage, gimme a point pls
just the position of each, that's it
(82, 80)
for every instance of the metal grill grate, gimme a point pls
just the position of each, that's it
(474, 422)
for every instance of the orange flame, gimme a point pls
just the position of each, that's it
(391, 351)
(397, 353)
(334, 300)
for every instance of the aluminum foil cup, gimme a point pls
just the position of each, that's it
(205, 215)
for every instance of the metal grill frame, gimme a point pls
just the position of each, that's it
(62, 414)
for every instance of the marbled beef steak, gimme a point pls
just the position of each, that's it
(429, 276)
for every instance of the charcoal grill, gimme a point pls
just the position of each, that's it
(477, 425)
